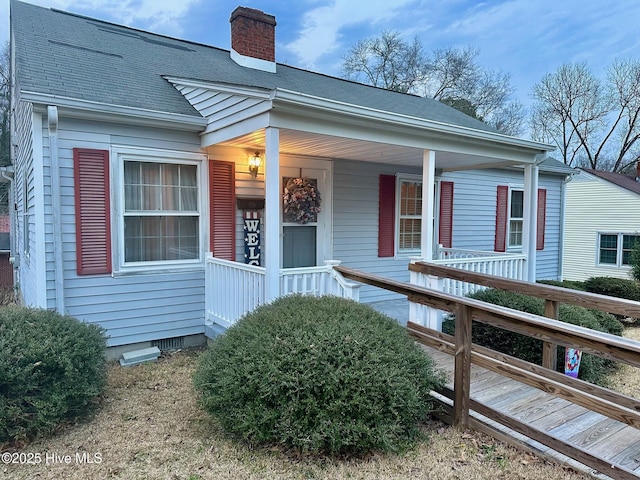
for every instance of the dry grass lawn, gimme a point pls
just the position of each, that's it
(150, 427)
(627, 378)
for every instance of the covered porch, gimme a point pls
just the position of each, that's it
(344, 148)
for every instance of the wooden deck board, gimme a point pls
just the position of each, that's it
(595, 433)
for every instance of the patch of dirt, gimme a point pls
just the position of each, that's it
(626, 379)
(150, 426)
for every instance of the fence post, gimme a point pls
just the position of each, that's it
(550, 350)
(462, 372)
(417, 312)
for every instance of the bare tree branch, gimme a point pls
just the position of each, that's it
(592, 122)
(449, 75)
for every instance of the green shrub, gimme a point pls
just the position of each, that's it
(572, 284)
(319, 375)
(592, 368)
(614, 287)
(51, 367)
(634, 261)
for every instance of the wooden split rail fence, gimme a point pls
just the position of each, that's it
(551, 331)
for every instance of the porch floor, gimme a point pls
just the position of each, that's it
(396, 309)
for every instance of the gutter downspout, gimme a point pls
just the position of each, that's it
(52, 116)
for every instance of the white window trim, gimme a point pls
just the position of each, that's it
(120, 154)
(512, 188)
(619, 249)
(403, 177)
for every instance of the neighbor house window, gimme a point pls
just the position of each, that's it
(516, 217)
(409, 215)
(615, 248)
(161, 215)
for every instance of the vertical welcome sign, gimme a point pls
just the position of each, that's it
(252, 237)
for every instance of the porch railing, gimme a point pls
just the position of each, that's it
(507, 265)
(233, 289)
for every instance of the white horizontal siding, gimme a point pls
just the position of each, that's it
(133, 308)
(355, 223)
(594, 205)
(474, 213)
(222, 108)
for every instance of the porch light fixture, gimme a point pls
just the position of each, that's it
(254, 164)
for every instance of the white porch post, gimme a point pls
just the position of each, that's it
(428, 188)
(530, 218)
(272, 213)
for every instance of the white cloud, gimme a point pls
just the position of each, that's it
(160, 16)
(320, 32)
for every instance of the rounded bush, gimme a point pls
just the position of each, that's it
(593, 369)
(51, 367)
(319, 375)
(614, 287)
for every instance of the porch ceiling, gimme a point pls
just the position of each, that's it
(294, 142)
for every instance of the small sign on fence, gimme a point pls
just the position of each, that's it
(572, 358)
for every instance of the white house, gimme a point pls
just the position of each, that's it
(148, 171)
(602, 224)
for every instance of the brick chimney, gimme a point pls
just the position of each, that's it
(253, 39)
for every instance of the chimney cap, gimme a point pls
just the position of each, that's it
(253, 14)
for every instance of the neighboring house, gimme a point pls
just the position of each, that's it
(6, 269)
(602, 223)
(137, 154)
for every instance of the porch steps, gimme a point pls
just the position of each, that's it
(136, 357)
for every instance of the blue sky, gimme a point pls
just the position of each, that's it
(526, 38)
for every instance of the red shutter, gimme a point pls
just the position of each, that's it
(502, 216)
(387, 216)
(445, 231)
(222, 212)
(93, 224)
(542, 217)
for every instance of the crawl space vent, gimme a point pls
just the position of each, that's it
(175, 343)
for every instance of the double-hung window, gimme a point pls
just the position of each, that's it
(615, 248)
(159, 209)
(409, 214)
(516, 217)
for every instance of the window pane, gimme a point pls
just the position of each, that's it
(132, 191)
(515, 233)
(151, 198)
(608, 256)
(609, 241)
(628, 241)
(409, 234)
(188, 176)
(170, 174)
(517, 204)
(411, 198)
(150, 173)
(171, 198)
(188, 199)
(161, 238)
(609, 249)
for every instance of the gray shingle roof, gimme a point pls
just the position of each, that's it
(64, 54)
